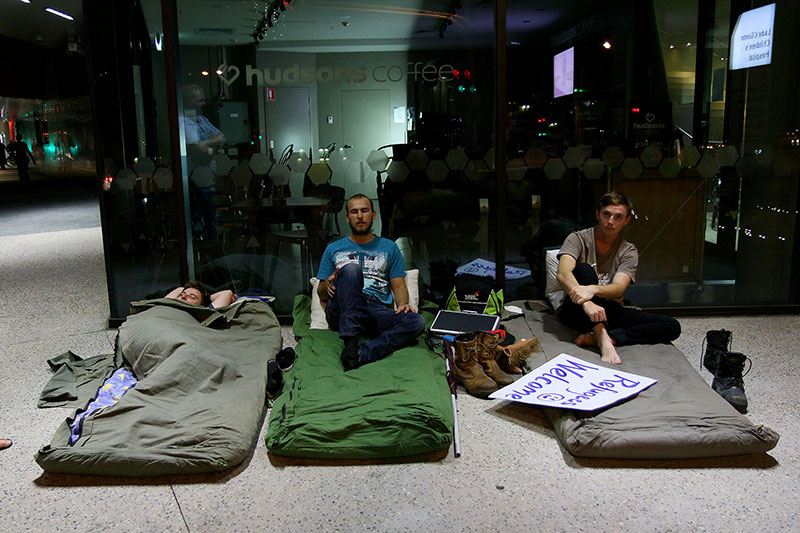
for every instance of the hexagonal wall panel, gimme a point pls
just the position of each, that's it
(144, 167)
(319, 173)
(125, 179)
(708, 165)
(516, 169)
(613, 157)
(377, 160)
(669, 167)
(689, 157)
(631, 168)
(398, 171)
(241, 175)
(727, 156)
(535, 157)
(489, 159)
(417, 159)
(299, 162)
(651, 157)
(280, 174)
(203, 176)
(437, 170)
(223, 164)
(574, 157)
(456, 159)
(594, 168)
(338, 161)
(162, 177)
(554, 169)
(260, 163)
(476, 170)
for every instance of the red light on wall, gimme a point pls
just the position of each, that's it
(467, 74)
(635, 110)
(456, 73)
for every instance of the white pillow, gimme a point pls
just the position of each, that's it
(318, 320)
(553, 290)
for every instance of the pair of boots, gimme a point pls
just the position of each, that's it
(727, 367)
(482, 366)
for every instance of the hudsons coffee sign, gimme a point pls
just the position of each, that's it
(295, 74)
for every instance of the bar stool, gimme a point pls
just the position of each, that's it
(299, 237)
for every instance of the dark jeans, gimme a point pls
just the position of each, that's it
(353, 313)
(22, 172)
(625, 325)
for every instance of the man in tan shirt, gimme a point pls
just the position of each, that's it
(595, 266)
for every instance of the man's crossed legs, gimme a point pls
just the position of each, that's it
(354, 314)
(623, 325)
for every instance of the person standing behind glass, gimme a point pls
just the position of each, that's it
(201, 139)
(22, 155)
(201, 135)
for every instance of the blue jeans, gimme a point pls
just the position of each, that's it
(353, 313)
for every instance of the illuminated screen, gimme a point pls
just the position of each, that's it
(564, 73)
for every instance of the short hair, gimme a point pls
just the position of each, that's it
(356, 197)
(205, 296)
(615, 198)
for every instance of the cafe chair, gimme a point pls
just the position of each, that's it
(300, 236)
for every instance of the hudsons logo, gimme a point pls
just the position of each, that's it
(296, 74)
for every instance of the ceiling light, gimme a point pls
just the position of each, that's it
(58, 13)
(25, 1)
(606, 45)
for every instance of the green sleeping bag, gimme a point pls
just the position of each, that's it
(398, 406)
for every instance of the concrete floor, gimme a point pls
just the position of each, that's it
(513, 475)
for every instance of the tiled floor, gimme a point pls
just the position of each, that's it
(513, 475)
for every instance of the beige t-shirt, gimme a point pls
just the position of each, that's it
(622, 257)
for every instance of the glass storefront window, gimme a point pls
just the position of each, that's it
(287, 108)
(641, 99)
(314, 103)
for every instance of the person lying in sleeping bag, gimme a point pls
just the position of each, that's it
(193, 292)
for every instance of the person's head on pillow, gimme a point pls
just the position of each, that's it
(194, 293)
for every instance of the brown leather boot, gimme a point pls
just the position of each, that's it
(512, 357)
(468, 371)
(487, 346)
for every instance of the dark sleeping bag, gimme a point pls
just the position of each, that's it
(679, 417)
(198, 405)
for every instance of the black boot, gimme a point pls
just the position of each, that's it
(718, 342)
(728, 380)
(349, 355)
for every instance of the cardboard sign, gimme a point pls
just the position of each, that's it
(572, 383)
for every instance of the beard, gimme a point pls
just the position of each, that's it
(366, 231)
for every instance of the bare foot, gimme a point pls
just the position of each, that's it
(585, 339)
(606, 344)
(5, 443)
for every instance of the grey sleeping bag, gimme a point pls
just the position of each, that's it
(199, 403)
(680, 417)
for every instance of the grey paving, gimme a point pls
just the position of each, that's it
(513, 475)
